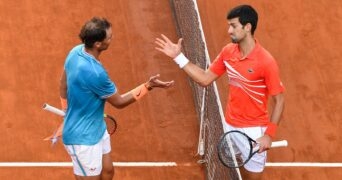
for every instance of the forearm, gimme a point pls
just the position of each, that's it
(275, 115)
(197, 74)
(121, 101)
(125, 100)
(200, 76)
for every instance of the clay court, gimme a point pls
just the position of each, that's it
(35, 37)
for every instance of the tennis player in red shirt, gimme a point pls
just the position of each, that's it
(253, 76)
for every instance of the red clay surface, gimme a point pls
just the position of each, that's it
(35, 37)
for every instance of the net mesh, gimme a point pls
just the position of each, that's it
(189, 28)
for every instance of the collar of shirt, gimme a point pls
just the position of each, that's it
(88, 56)
(252, 55)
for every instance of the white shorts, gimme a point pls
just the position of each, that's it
(257, 163)
(87, 160)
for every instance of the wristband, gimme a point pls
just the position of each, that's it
(64, 103)
(139, 91)
(181, 60)
(271, 129)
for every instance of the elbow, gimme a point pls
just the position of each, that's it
(280, 100)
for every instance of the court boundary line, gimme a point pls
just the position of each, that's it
(163, 164)
(303, 164)
(69, 164)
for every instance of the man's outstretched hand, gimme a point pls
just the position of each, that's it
(154, 82)
(167, 47)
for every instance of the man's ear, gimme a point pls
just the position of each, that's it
(97, 44)
(248, 27)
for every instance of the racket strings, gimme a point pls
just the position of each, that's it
(233, 155)
(231, 146)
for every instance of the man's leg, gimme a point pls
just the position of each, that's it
(88, 177)
(253, 169)
(250, 175)
(107, 167)
(88, 160)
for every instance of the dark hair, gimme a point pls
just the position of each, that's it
(94, 31)
(246, 14)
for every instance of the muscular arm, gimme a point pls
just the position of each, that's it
(266, 140)
(202, 77)
(120, 101)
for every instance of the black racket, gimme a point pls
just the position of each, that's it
(111, 124)
(229, 153)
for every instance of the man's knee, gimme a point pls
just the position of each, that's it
(108, 170)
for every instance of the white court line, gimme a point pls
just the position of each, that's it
(69, 164)
(303, 164)
(160, 164)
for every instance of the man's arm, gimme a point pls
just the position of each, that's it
(122, 100)
(63, 91)
(63, 86)
(278, 108)
(266, 140)
(202, 77)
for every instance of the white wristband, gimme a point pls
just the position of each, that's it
(181, 60)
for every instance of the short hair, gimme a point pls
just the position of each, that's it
(246, 14)
(93, 31)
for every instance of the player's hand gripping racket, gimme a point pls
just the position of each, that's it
(110, 122)
(231, 156)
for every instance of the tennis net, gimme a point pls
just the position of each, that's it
(188, 24)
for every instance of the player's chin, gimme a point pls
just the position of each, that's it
(234, 40)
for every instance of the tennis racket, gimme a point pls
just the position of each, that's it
(231, 156)
(111, 124)
(110, 121)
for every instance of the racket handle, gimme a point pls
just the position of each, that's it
(53, 109)
(201, 148)
(282, 143)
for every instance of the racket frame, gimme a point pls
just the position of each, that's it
(252, 151)
(113, 120)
